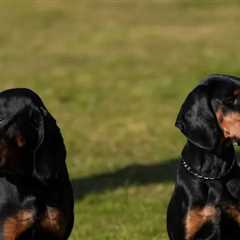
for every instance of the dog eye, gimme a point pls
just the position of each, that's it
(236, 101)
(229, 101)
(232, 101)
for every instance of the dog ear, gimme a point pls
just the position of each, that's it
(197, 120)
(49, 153)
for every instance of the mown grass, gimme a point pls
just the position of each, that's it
(114, 74)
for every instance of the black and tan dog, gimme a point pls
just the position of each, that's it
(206, 201)
(36, 199)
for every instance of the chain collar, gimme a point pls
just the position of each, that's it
(193, 172)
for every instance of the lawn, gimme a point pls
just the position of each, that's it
(114, 74)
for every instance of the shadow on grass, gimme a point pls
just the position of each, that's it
(136, 174)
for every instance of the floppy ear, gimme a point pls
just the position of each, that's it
(196, 119)
(50, 153)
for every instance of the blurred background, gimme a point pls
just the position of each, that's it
(114, 74)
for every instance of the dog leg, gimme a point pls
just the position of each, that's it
(15, 225)
(53, 222)
(196, 218)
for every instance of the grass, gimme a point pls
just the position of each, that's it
(114, 73)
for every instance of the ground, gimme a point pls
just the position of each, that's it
(114, 74)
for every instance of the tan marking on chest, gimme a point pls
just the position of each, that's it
(234, 212)
(53, 221)
(15, 225)
(196, 218)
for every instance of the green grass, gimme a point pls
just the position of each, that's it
(114, 73)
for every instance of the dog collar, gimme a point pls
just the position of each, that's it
(193, 172)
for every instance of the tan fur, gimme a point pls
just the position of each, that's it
(14, 226)
(196, 218)
(234, 213)
(20, 140)
(53, 221)
(229, 123)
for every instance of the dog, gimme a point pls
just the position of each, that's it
(205, 203)
(36, 198)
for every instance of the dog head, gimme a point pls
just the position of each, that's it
(210, 114)
(30, 141)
